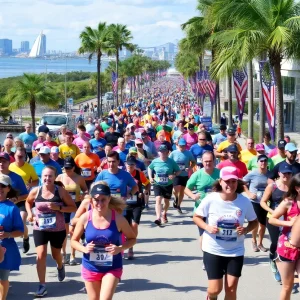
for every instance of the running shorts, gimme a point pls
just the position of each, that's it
(180, 180)
(163, 191)
(260, 213)
(67, 216)
(96, 276)
(217, 266)
(56, 238)
(133, 214)
(21, 206)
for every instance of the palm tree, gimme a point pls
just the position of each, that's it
(95, 42)
(119, 37)
(31, 90)
(259, 27)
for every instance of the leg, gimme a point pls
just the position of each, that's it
(231, 283)
(93, 289)
(64, 252)
(24, 218)
(261, 234)
(4, 287)
(41, 255)
(135, 227)
(56, 255)
(158, 207)
(215, 287)
(274, 234)
(108, 286)
(166, 205)
(286, 270)
(176, 193)
(147, 193)
(181, 194)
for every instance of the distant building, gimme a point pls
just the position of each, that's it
(5, 47)
(39, 46)
(25, 46)
(170, 47)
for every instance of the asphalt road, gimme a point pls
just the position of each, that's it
(167, 265)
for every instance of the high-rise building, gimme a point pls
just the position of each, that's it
(39, 46)
(170, 47)
(5, 46)
(24, 46)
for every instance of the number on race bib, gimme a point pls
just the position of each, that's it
(100, 257)
(162, 179)
(86, 173)
(226, 232)
(47, 221)
(181, 166)
(73, 195)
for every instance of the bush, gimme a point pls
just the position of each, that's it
(234, 107)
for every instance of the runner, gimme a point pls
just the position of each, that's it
(102, 260)
(54, 155)
(165, 170)
(223, 239)
(221, 136)
(81, 137)
(252, 163)
(98, 144)
(190, 137)
(267, 145)
(248, 153)
(186, 161)
(49, 140)
(61, 139)
(28, 137)
(74, 184)
(68, 148)
(7, 146)
(123, 152)
(51, 201)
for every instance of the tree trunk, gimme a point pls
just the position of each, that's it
(32, 107)
(99, 105)
(261, 118)
(279, 121)
(117, 71)
(215, 112)
(229, 100)
(131, 87)
(250, 101)
(218, 102)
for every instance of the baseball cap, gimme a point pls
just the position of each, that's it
(191, 127)
(227, 173)
(231, 131)
(223, 127)
(138, 141)
(132, 150)
(9, 136)
(290, 147)
(54, 149)
(4, 155)
(43, 134)
(131, 161)
(285, 168)
(44, 150)
(182, 142)
(163, 148)
(232, 148)
(281, 144)
(176, 135)
(39, 146)
(69, 163)
(100, 189)
(260, 147)
(262, 157)
(4, 179)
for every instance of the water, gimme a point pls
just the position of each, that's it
(12, 66)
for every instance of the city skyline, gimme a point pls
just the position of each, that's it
(152, 23)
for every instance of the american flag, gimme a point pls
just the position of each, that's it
(114, 83)
(240, 80)
(211, 89)
(199, 85)
(268, 86)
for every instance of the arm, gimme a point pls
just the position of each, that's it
(80, 211)
(295, 238)
(29, 203)
(190, 194)
(280, 211)
(67, 200)
(265, 198)
(198, 220)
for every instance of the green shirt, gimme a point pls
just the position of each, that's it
(277, 159)
(104, 126)
(252, 164)
(164, 127)
(203, 183)
(162, 170)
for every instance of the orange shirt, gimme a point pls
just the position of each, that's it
(88, 164)
(143, 178)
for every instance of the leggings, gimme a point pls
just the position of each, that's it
(274, 233)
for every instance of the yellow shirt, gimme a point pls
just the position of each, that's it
(246, 155)
(65, 151)
(222, 146)
(27, 172)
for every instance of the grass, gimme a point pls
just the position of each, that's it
(255, 129)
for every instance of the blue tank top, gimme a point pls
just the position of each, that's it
(99, 260)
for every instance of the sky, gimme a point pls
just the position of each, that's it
(152, 22)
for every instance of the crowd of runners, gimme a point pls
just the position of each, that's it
(91, 186)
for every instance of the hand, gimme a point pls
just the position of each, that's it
(99, 169)
(14, 200)
(71, 229)
(211, 229)
(241, 230)
(292, 221)
(171, 177)
(113, 249)
(89, 247)
(4, 235)
(53, 206)
(196, 197)
(30, 218)
(251, 196)
(140, 195)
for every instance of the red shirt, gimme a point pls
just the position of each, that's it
(241, 167)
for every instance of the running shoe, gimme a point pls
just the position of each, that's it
(203, 267)
(26, 245)
(130, 254)
(295, 288)
(254, 247)
(73, 262)
(41, 291)
(61, 273)
(273, 266)
(65, 259)
(263, 249)
(277, 276)
(146, 206)
(179, 209)
(164, 218)
(174, 204)
(157, 222)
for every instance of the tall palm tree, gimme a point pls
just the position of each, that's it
(271, 27)
(119, 37)
(33, 91)
(95, 42)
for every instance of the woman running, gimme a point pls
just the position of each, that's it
(51, 201)
(102, 261)
(225, 210)
(287, 254)
(74, 184)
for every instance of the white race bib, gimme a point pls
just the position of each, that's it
(259, 193)
(28, 147)
(116, 195)
(47, 221)
(199, 160)
(100, 257)
(162, 179)
(73, 195)
(181, 166)
(86, 172)
(132, 201)
(226, 232)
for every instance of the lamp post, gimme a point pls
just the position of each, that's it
(66, 103)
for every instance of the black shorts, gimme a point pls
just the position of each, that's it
(217, 266)
(201, 231)
(180, 180)
(260, 213)
(56, 238)
(21, 206)
(133, 214)
(163, 191)
(67, 216)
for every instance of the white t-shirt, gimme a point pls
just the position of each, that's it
(226, 215)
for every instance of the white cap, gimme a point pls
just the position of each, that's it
(44, 150)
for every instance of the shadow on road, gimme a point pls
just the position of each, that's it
(256, 260)
(159, 240)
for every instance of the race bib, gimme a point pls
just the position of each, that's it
(116, 195)
(132, 201)
(226, 232)
(181, 166)
(162, 179)
(100, 257)
(259, 193)
(86, 172)
(47, 221)
(73, 195)
(208, 190)
(27, 147)
(199, 160)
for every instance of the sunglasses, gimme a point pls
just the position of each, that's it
(201, 139)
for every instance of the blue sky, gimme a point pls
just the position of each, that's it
(152, 22)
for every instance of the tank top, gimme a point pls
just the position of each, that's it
(74, 191)
(46, 218)
(99, 260)
(284, 247)
(275, 198)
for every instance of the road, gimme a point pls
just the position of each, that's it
(167, 265)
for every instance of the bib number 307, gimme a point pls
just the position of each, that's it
(101, 258)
